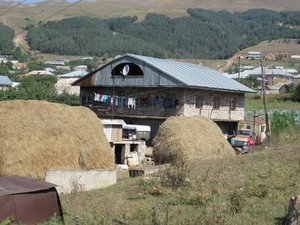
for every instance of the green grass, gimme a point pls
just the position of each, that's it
(252, 189)
(255, 102)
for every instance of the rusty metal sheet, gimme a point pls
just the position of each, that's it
(28, 201)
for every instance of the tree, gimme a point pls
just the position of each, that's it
(20, 55)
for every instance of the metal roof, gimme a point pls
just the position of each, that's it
(269, 72)
(192, 75)
(10, 185)
(4, 80)
(77, 73)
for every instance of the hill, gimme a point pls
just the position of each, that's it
(202, 34)
(18, 16)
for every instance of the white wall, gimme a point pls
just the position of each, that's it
(82, 180)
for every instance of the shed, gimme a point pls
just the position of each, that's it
(113, 129)
(28, 201)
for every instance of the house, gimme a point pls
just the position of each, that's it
(3, 59)
(56, 63)
(271, 74)
(40, 73)
(28, 201)
(278, 88)
(5, 83)
(18, 65)
(253, 55)
(145, 90)
(64, 82)
(81, 67)
(296, 80)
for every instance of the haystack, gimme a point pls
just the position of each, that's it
(186, 138)
(37, 135)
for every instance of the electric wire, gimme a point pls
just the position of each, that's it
(11, 8)
(47, 18)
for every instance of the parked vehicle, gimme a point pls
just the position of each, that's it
(241, 141)
(136, 131)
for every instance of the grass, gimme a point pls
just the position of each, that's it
(282, 101)
(253, 189)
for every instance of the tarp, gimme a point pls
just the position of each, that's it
(136, 127)
(28, 201)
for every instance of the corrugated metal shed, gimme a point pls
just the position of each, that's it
(4, 80)
(165, 73)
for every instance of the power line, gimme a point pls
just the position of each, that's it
(47, 18)
(11, 8)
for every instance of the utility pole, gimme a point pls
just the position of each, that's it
(264, 96)
(239, 74)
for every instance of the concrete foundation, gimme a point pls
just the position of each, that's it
(81, 180)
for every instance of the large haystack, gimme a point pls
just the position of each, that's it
(185, 138)
(37, 135)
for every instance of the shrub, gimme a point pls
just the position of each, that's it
(282, 120)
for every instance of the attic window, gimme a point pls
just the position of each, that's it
(127, 69)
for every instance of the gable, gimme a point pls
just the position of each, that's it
(142, 71)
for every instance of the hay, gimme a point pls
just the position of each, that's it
(186, 138)
(37, 135)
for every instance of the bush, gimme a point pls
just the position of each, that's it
(282, 120)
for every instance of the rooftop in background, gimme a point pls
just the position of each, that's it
(57, 62)
(4, 80)
(77, 73)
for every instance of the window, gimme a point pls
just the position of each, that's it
(127, 69)
(216, 102)
(199, 102)
(232, 103)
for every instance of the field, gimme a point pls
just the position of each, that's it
(253, 189)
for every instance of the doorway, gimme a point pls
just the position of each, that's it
(119, 154)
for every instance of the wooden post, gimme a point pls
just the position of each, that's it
(239, 74)
(264, 96)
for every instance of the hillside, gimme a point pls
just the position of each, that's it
(19, 16)
(202, 34)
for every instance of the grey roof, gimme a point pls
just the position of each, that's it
(269, 72)
(193, 75)
(4, 80)
(76, 73)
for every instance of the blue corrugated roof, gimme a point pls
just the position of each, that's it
(77, 73)
(4, 80)
(193, 75)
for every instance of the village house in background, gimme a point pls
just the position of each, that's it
(278, 88)
(58, 64)
(253, 55)
(64, 82)
(5, 83)
(296, 80)
(146, 90)
(3, 59)
(39, 73)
